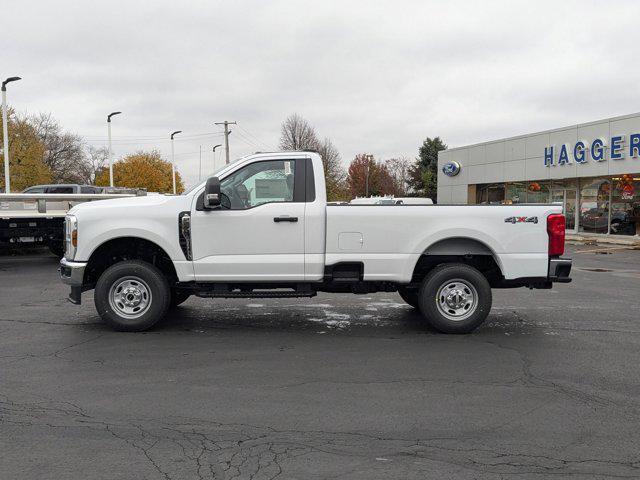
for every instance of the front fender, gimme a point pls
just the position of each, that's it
(155, 232)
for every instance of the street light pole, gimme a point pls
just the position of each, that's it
(5, 134)
(173, 161)
(110, 150)
(214, 155)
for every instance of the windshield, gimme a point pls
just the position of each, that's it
(212, 174)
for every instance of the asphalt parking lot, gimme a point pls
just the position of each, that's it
(337, 386)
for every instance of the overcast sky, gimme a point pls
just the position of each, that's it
(375, 77)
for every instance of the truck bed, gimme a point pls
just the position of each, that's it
(391, 238)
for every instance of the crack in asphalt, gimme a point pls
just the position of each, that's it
(204, 449)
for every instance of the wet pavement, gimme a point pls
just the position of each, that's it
(336, 386)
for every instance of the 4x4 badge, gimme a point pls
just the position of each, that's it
(521, 220)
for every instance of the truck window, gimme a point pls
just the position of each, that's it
(34, 190)
(60, 189)
(259, 183)
(89, 190)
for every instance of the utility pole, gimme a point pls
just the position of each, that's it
(173, 161)
(110, 150)
(226, 136)
(200, 168)
(5, 134)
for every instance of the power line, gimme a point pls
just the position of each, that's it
(159, 139)
(258, 140)
(247, 140)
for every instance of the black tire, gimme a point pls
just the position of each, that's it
(178, 297)
(410, 295)
(463, 283)
(123, 277)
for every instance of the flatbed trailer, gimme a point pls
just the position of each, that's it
(37, 219)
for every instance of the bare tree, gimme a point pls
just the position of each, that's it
(63, 151)
(95, 159)
(297, 134)
(399, 170)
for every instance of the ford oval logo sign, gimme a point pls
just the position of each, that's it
(451, 169)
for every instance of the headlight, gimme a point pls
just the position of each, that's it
(70, 236)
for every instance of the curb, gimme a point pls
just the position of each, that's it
(630, 241)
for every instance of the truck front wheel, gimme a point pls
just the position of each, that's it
(455, 298)
(132, 296)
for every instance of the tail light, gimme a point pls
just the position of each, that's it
(556, 231)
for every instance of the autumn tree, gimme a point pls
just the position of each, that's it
(366, 176)
(296, 133)
(142, 170)
(423, 174)
(25, 155)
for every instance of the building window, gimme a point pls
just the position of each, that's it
(625, 205)
(516, 192)
(594, 205)
(491, 193)
(538, 192)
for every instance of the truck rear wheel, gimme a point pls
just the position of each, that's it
(455, 298)
(132, 296)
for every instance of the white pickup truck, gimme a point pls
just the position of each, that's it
(261, 227)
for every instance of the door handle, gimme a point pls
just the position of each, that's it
(285, 219)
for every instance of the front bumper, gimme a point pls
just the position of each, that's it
(72, 273)
(559, 270)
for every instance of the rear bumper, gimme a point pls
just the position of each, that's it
(559, 270)
(72, 273)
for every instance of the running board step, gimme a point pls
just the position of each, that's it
(259, 294)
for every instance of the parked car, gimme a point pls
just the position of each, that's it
(261, 227)
(391, 200)
(64, 188)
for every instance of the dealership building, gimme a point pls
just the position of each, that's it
(593, 169)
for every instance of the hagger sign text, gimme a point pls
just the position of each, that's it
(581, 151)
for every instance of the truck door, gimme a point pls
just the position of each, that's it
(258, 234)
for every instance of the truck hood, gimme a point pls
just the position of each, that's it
(132, 206)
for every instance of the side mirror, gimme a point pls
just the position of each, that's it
(212, 195)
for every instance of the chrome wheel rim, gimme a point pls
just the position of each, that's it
(457, 299)
(130, 297)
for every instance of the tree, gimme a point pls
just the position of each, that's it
(25, 155)
(423, 174)
(142, 170)
(380, 182)
(296, 133)
(334, 174)
(94, 161)
(399, 170)
(64, 152)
